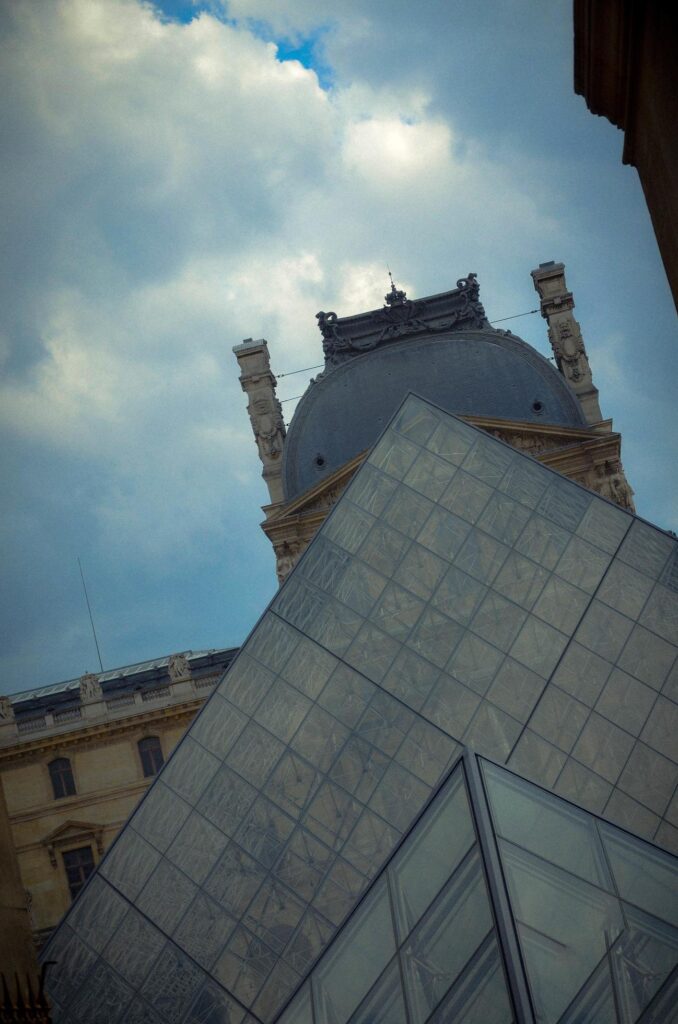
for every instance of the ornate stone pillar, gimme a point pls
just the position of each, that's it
(565, 336)
(265, 411)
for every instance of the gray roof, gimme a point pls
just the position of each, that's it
(112, 675)
(474, 372)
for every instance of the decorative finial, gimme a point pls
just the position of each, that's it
(395, 297)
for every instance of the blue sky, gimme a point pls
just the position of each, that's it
(176, 178)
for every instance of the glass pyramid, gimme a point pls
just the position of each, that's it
(460, 595)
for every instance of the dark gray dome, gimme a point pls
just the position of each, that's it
(477, 373)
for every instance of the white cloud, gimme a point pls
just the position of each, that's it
(170, 189)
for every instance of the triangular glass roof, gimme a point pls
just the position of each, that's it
(459, 594)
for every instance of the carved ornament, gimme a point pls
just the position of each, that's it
(348, 336)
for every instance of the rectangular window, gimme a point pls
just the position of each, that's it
(79, 866)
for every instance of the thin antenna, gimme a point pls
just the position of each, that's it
(94, 632)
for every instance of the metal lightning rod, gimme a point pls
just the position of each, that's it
(94, 632)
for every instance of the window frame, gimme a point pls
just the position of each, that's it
(62, 778)
(75, 886)
(152, 758)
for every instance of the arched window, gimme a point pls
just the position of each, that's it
(150, 753)
(61, 774)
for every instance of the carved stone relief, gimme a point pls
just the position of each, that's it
(178, 667)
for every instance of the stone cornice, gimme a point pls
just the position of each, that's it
(100, 731)
(71, 804)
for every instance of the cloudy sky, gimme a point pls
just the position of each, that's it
(178, 176)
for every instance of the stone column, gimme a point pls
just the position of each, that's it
(265, 411)
(565, 336)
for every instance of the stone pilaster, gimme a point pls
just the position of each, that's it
(565, 336)
(265, 411)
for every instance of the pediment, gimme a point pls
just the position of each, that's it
(73, 832)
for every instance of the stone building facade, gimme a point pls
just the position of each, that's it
(75, 759)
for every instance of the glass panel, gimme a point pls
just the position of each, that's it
(348, 526)
(545, 825)
(649, 777)
(172, 984)
(647, 657)
(661, 729)
(309, 668)
(204, 930)
(359, 768)
(444, 533)
(625, 589)
(214, 1006)
(475, 663)
(646, 549)
(293, 783)
(561, 605)
(244, 966)
(480, 995)
(246, 683)
(446, 938)
(197, 848)
(481, 556)
(429, 475)
(565, 926)
(347, 696)
(312, 935)
(503, 518)
(515, 689)
(166, 896)
(644, 875)
(371, 490)
(103, 1000)
(218, 726)
(583, 565)
(134, 948)
(642, 959)
(370, 843)
(604, 631)
(339, 892)
(604, 525)
(354, 962)
(543, 542)
(300, 1010)
(385, 1003)
(399, 796)
(255, 754)
(189, 770)
(559, 718)
(451, 706)
(538, 646)
(272, 643)
(302, 863)
(626, 702)
(604, 747)
(129, 863)
(394, 454)
(283, 711)
(466, 496)
(235, 879)
(564, 504)
(226, 800)
(498, 621)
(408, 511)
(459, 595)
(430, 857)
(274, 914)
(421, 571)
(410, 678)
(492, 732)
(102, 903)
(264, 831)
